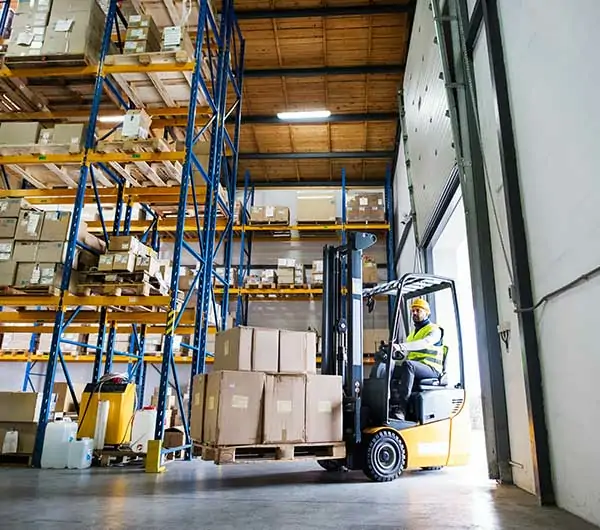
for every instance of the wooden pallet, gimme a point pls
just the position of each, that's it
(40, 149)
(269, 223)
(49, 61)
(145, 58)
(154, 145)
(317, 222)
(292, 286)
(108, 457)
(273, 452)
(253, 285)
(16, 459)
(40, 290)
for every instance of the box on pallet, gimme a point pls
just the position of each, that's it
(270, 214)
(75, 29)
(55, 251)
(25, 251)
(147, 264)
(71, 134)
(323, 408)
(12, 207)
(124, 261)
(29, 225)
(39, 274)
(55, 226)
(136, 125)
(297, 351)
(315, 207)
(365, 207)
(284, 409)
(142, 35)
(246, 348)
(19, 133)
(233, 412)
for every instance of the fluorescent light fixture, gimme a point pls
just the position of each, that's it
(304, 115)
(110, 119)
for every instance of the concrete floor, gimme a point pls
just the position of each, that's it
(268, 495)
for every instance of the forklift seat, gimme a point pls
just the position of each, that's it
(434, 383)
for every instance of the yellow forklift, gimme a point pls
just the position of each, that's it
(436, 431)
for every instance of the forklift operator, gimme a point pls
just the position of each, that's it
(422, 353)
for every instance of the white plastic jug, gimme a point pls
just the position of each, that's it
(144, 423)
(80, 453)
(56, 443)
(10, 443)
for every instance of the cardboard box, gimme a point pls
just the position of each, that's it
(124, 261)
(198, 402)
(234, 406)
(285, 409)
(369, 272)
(55, 226)
(139, 21)
(8, 227)
(29, 225)
(105, 262)
(64, 400)
(124, 244)
(265, 350)
(43, 274)
(71, 134)
(286, 276)
(366, 207)
(25, 251)
(20, 406)
(12, 207)
(147, 263)
(233, 349)
(6, 249)
(323, 408)
(298, 352)
(26, 438)
(270, 214)
(52, 251)
(136, 125)
(8, 271)
(174, 437)
(316, 208)
(19, 133)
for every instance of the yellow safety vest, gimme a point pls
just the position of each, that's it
(433, 355)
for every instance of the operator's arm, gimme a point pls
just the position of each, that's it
(430, 339)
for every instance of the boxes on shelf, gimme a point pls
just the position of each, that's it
(71, 134)
(16, 341)
(297, 352)
(284, 409)
(6, 249)
(221, 272)
(286, 275)
(25, 251)
(316, 207)
(174, 38)
(147, 264)
(142, 35)
(39, 275)
(270, 214)
(252, 280)
(12, 207)
(246, 348)
(299, 275)
(19, 133)
(136, 125)
(124, 261)
(268, 276)
(233, 408)
(365, 207)
(369, 270)
(8, 227)
(316, 275)
(74, 29)
(55, 226)
(29, 225)
(105, 262)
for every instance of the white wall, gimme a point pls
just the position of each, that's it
(552, 65)
(428, 128)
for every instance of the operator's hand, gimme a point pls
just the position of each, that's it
(399, 351)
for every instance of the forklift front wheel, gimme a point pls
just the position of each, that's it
(331, 465)
(385, 456)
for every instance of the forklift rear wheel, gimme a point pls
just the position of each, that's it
(331, 465)
(385, 456)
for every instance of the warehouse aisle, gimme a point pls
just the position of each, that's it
(291, 496)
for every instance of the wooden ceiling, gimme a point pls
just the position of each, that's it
(345, 56)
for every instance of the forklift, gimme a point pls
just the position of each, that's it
(436, 430)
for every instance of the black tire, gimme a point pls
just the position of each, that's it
(385, 456)
(433, 468)
(331, 465)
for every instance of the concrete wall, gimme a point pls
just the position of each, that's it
(553, 84)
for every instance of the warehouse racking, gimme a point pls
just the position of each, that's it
(215, 80)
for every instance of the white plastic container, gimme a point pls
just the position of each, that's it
(144, 423)
(56, 443)
(10, 443)
(80, 453)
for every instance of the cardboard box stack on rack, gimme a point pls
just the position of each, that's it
(266, 215)
(365, 207)
(32, 246)
(264, 389)
(32, 138)
(142, 35)
(316, 208)
(316, 275)
(286, 272)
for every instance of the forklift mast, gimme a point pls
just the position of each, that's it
(342, 321)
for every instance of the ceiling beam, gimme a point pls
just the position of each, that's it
(331, 11)
(321, 155)
(317, 183)
(334, 118)
(326, 70)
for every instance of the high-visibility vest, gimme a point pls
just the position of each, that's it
(433, 355)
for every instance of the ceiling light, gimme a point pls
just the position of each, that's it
(110, 119)
(304, 115)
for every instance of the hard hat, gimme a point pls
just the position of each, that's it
(421, 304)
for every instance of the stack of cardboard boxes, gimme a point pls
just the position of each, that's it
(70, 136)
(369, 270)
(29, 30)
(316, 276)
(269, 214)
(286, 271)
(142, 35)
(128, 254)
(136, 125)
(365, 207)
(264, 389)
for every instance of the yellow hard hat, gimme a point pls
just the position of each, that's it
(421, 304)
